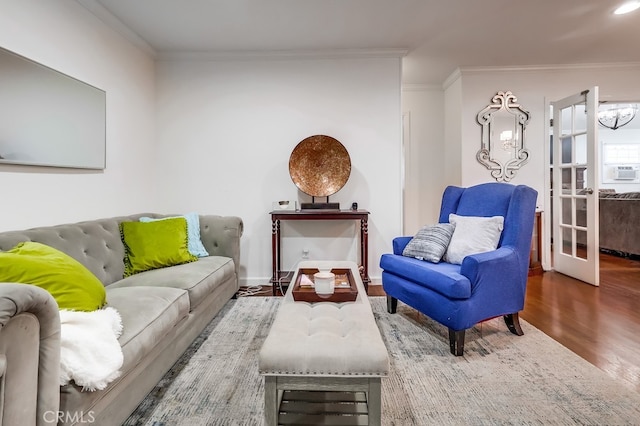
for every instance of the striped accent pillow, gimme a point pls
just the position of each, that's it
(430, 243)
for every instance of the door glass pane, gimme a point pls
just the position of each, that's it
(567, 241)
(566, 180)
(580, 174)
(581, 149)
(566, 211)
(566, 150)
(565, 120)
(581, 239)
(580, 119)
(581, 212)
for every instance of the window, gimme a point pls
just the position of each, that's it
(621, 153)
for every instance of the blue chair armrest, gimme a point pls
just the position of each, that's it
(499, 269)
(399, 243)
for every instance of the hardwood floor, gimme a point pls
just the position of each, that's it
(600, 324)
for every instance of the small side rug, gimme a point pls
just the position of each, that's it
(502, 379)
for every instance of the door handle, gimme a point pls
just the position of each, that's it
(588, 191)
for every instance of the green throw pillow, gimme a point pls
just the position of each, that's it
(152, 245)
(194, 243)
(72, 285)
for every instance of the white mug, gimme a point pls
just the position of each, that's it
(324, 283)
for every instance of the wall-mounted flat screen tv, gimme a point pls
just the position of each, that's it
(48, 118)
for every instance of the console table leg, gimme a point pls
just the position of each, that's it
(275, 254)
(364, 252)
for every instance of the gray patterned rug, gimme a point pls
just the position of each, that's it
(501, 380)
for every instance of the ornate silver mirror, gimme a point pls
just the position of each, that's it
(502, 149)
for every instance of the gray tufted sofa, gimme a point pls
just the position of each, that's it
(162, 312)
(29, 355)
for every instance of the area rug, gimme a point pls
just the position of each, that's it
(502, 379)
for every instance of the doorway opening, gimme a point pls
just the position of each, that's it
(617, 188)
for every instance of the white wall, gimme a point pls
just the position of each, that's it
(453, 119)
(226, 129)
(622, 136)
(66, 37)
(424, 146)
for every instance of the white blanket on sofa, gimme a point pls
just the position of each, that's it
(90, 354)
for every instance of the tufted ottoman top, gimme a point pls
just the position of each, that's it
(325, 339)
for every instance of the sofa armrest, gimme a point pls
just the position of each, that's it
(220, 235)
(30, 351)
(399, 243)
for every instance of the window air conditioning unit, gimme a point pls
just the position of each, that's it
(625, 172)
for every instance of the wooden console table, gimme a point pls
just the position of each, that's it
(277, 216)
(535, 256)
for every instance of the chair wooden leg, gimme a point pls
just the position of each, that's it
(392, 304)
(513, 323)
(456, 342)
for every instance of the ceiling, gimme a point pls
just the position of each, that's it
(438, 35)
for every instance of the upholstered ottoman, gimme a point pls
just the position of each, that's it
(323, 359)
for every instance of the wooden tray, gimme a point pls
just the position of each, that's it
(341, 294)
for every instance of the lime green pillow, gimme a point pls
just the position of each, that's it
(152, 245)
(72, 285)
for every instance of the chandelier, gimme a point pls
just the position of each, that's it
(616, 116)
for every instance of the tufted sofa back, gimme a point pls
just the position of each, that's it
(98, 246)
(96, 243)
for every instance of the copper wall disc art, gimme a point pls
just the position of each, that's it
(319, 166)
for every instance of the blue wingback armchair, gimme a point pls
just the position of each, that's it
(485, 285)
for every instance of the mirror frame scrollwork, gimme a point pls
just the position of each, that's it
(503, 171)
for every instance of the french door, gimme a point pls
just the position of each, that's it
(575, 187)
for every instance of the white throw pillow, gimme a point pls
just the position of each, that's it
(473, 235)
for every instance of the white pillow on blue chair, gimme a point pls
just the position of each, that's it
(473, 234)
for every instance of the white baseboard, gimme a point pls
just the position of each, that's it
(264, 281)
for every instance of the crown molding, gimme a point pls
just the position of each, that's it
(548, 67)
(117, 25)
(459, 72)
(279, 54)
(455, 75)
